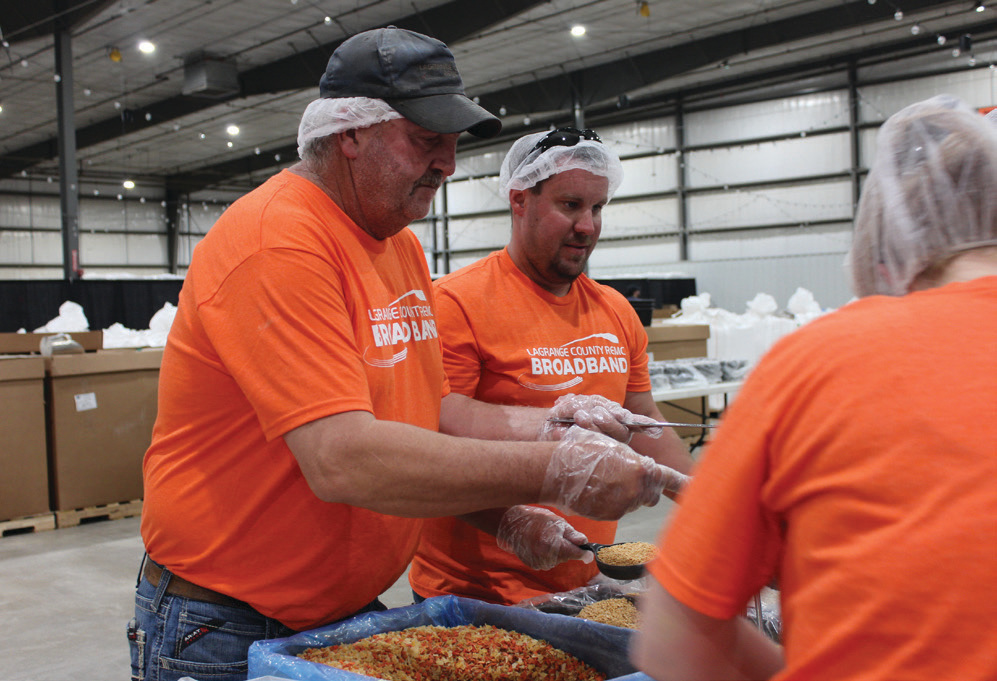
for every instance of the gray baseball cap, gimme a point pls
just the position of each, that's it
(415, 74)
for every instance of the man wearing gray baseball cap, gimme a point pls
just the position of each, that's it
(296, 448)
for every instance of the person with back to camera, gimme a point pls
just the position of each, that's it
(858, 462)
(526, 326)
(295, 450)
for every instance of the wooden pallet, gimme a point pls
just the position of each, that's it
(124, 509)
(34, 523)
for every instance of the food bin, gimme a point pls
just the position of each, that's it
(601, 646)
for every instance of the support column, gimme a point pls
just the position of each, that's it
(681, 179)
(173, 229)
(853, 134)
(69, 187)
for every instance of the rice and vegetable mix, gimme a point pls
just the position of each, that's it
(461, 653)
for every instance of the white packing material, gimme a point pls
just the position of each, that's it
(71, 318)
(118, 336)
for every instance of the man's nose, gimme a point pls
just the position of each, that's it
(587, 223)
(445, 157)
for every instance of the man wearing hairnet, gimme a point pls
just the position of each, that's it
(526, 326)
(296, 445)
(857, 465)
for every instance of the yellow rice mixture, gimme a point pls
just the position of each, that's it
(629, 553)
(461, 653)
(620, 612)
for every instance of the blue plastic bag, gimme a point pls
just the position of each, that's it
(602, 646)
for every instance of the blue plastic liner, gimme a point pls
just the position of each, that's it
(602, 646)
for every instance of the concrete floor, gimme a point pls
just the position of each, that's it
(67, 594)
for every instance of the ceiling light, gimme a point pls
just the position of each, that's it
(899, 15)
(146, 47)
(229, 144)
(1, 107)
(327, 21)
(915, 29)
(643, 8)
(128, 184)
(578, 30)
(941, 40)
(872, 2)
(980, 7)
(114, 54)
(232, 130)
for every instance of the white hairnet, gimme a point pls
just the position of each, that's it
(931, 193)
(329, 115)
(525, 166)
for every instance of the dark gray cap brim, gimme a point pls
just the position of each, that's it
(448, 113)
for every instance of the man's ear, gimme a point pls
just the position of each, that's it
(517, 200)
(349, 143)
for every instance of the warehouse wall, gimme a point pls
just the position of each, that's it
(761, 194)
(768, 191)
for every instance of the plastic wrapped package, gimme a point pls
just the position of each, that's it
(683, 375)
(734, 369)
(659, 381)
(601, 646)
(709, 368)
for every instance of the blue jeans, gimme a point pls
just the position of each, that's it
(171, 637)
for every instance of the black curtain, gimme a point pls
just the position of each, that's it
(29, 304)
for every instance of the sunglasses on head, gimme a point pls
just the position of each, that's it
(565, 137)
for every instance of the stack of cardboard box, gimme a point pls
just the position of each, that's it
(75, 426)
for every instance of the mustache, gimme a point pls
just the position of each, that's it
(432, 179)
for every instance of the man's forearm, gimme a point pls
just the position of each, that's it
(398, 469)
(464, 416)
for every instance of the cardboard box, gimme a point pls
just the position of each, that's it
(668, 340)
(24, 481)
(30, 343)
(101, 410)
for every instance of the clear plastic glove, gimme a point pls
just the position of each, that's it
(540, 538)
(591, 412)
(595, 476)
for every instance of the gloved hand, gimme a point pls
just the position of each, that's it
(595, 476)
(540, 538)
(591, 412)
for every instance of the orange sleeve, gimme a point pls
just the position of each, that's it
(280, 325)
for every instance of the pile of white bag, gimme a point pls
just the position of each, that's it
(749, 335)
(72, 318)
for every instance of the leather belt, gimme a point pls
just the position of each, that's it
(179, 586)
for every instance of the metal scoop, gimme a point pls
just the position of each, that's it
(623, 573)
(628, 424)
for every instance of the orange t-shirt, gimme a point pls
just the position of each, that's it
(289, 313)
(858, 464)
(508, 341)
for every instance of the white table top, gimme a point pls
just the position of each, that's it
(696, 391)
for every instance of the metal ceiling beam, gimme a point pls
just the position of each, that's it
(605, 83)
(608, 81)
(450, 22)
(27, 20)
